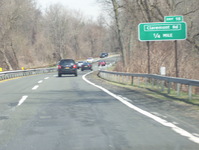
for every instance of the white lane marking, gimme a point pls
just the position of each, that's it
(35, 87)
(158, 114)
(196, 134)
(175, 123)
(126, 99)
(46, 78)
(157, 119)
(40, 81)
(22, 100)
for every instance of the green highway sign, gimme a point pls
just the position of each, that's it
(162, 31)
(173, 18)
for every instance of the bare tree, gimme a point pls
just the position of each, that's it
(57, 28)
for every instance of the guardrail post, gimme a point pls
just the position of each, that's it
(145, 79)
(138, 81)
(190, 92)
(129, 79)
(132, 80)
(169, 87)
(156, 84)
(153, 80)
(178, 89)
(162, 84)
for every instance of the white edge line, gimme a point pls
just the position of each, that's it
(35, 87)
(22, 100)
(46, 78)
(157, 119)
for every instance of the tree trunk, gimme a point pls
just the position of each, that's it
(116, 11)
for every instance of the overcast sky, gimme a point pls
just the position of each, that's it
(90, 8)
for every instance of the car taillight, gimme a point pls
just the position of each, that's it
(59, 66)
(74, 66)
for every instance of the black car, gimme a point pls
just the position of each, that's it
(67, 66)
(103, 55)
(86, 66)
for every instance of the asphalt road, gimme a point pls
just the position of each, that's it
(46, 112)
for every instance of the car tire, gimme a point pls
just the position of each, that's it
(82, 69)
(75, 74)
(59, 74)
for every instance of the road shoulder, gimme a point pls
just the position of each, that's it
(178, 112)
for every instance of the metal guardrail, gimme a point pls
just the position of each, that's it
(153, 80)
(19, 73)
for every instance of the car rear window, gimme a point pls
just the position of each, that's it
(67, 62)
(86, 63)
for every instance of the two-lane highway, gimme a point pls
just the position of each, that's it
(46, 112)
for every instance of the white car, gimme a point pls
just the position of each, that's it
(90, 60)
(79, 64)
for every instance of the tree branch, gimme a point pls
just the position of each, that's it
(176, 5)
(193, 11)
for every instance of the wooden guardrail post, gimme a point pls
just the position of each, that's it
(132, 80)
(190, 92)
(153, 80)
(178, 89)
(169, 88)
(145, 80)
(162, 86)
(138, 81)
(122, 78)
